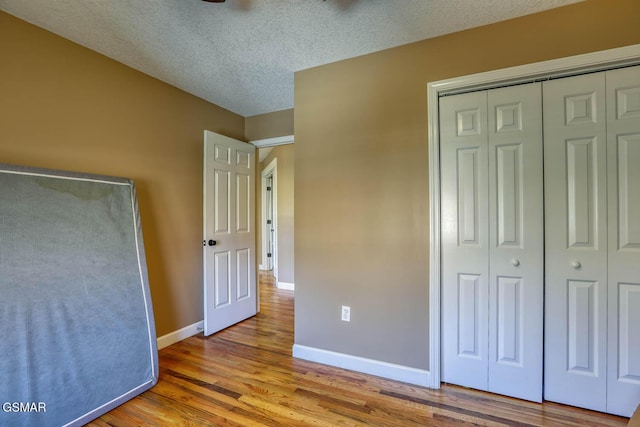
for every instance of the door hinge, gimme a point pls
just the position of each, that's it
(268, 188)
(268, 221)
(268, 255)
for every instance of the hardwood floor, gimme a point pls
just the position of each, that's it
(245, 376)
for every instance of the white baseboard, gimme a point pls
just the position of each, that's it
(180, 334)
(286, 285)
(360, 364)
(262, 267)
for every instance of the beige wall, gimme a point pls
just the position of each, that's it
(285, 223)
(269, 125)
(63, 106)
(361, 230)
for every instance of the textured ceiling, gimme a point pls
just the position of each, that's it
(242, 54)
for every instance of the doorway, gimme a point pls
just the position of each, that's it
(275, 212)
(269, 215)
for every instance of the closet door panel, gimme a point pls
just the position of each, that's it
(465, 262)
(623, 139)
(515, 241)
(575, 335)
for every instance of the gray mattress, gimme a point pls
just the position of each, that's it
(77, 335)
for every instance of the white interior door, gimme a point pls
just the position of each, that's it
(516, 247)
(592, 181)
(492, 246)
(576, 241)
(230, 293)
(465, 239)
(623, 140)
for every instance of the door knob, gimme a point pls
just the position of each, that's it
(212, 242)
(515, 262)
(576, 264)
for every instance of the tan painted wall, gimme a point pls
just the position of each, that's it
(285, 221)
(361, 230)
(269, 125)
(63, 106)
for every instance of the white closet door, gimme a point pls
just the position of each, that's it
(516, 248)
(576, 241)
(623, 139)
(464, 234)
(492, 263)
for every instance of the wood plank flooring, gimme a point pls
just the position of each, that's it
(245, 376)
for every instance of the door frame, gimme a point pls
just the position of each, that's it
(556, 68)
(270, 170)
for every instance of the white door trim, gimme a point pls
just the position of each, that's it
(628, 55)
(271, 169)
(272, 142)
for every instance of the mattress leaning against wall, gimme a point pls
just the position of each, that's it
(77, 334)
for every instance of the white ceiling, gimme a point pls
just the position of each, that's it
(242, 54)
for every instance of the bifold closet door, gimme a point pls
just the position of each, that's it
(492, 250)
(623, 170)
(592, 238)
(465, 239)
(576, 241)
(516, 247)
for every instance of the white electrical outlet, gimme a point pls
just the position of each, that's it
(346, 313)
